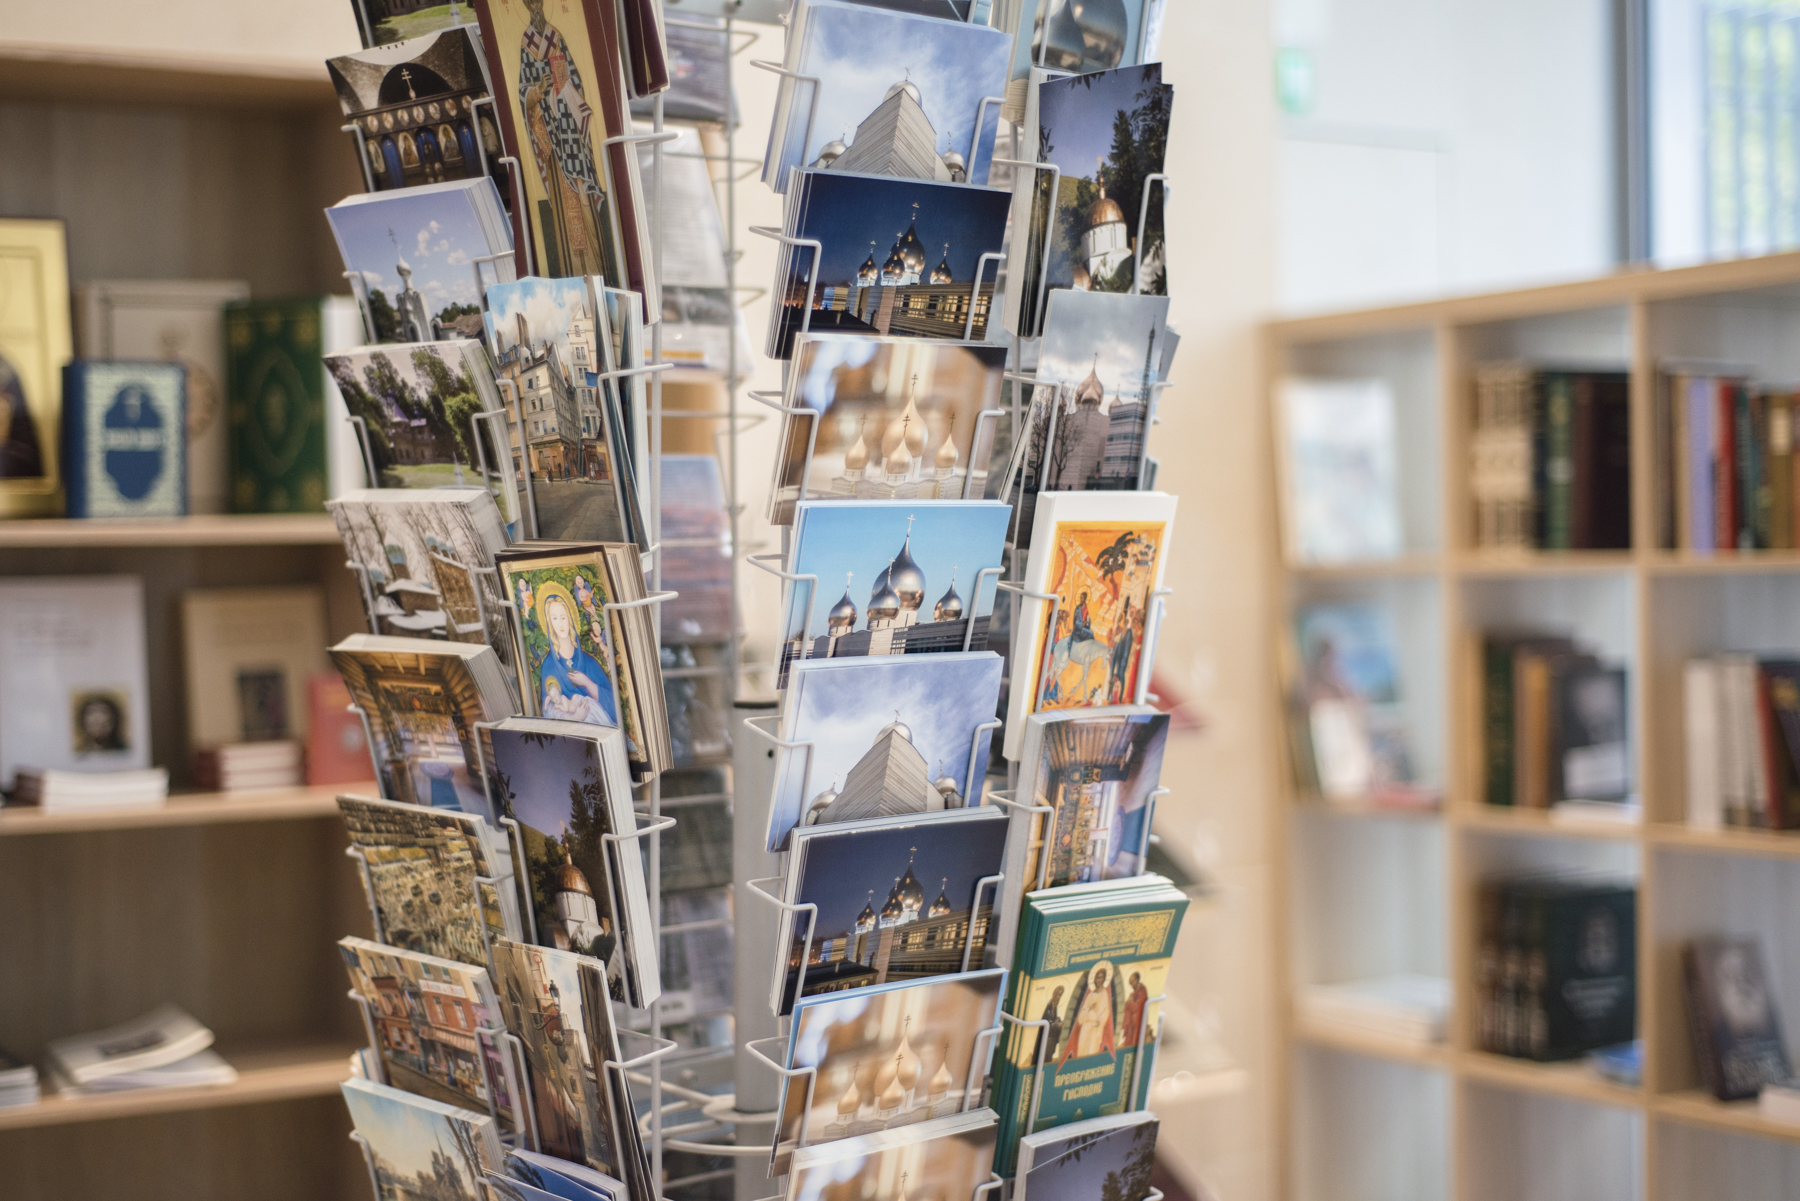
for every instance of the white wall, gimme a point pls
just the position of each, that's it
(1452, 146)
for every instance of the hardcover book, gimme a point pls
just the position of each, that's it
(567, 785)
(178, 321)
(946, 1157)
(422, 699)
(887, 419)
(886, 1057)
(289, 445)
(250, 655)
(1087, 967)
(1340, 471)
(1349, 690)
(429, 1148)
(34, 344)
(1734, 1019)
(124, 439)
(425, 877)
(890, 735)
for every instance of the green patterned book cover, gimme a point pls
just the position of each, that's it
(1090, 959)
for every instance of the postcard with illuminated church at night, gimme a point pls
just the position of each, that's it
(922, 562)
(942, 875)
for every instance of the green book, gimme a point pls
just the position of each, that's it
(290, 440)
(1089, 960)
(1559, 461)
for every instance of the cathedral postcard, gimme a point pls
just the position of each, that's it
(886, 735)
(887, 1056)
(933, 920)
(893, 556)
(944, 1158)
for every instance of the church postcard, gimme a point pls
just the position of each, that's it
(945, 1158)
(932, 921)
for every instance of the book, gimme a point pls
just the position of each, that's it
(567, 785)
(34, 344)
(424, 410)
(242, 765)
(420, 110)
(857, 937)
(1500, 455)
(1349, 689)
(846, 292)
(1741, 716)
(1100, 1023)
(289, 442)
(337, 750)
(179, 321)
(18, 1081)
(435, 1026)
(1703, 739)
(159, 1038)
(947, 1157)
(841, 116)
(919, 435)
(1410, 1008)
(885, 1057)
(74, 678)
(205, 1068)
(889, 735)
(1592, 758)
(249, 655)
(1340, 484)
(425, 1146)
(75, 790)
(1734, 1018)
(1109, 1157)
(446, 228)
(1550, 457)
(439, 883)
(422, 698)
(1557, 975)
(1102, 555)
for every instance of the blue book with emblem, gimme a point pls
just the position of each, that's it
(125, 438)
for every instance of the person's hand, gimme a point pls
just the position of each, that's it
(580, 680)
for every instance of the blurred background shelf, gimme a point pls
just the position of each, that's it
(298, 529)
(191, 809)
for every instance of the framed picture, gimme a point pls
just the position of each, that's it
(35, 342)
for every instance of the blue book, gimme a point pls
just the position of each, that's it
(125, 438)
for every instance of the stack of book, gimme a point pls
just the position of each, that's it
(18, 1082)
(1725, 447)
(1742, 729)
(1554, 724)
(1550, 458)
(75, 790)
(1556, 967)
(243, 765)
(1406, 1008)
(163, 1049)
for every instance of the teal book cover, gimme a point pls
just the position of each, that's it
(125, 438)
(1088, 966)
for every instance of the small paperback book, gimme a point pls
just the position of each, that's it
(1732, 1013)
(886, 1057)
(125, 439)
(1110, 1157)
(435, 1022)
(932, 921)
(422, 699)
(425, 876)
(890, 735)
(567, 785)
(424, 1148)
(947, 1157)
(165, 1048)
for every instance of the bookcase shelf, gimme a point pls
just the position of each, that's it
(191, 809)
(272, 529)
(1357, 897)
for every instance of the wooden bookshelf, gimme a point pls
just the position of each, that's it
(271, 529)
(1356, 897)
(191, 809)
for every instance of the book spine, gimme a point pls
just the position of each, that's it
(1700, 701)
(1536, 423)
(74, 441)
(1700, 462)
(1497, 721)
(1531, 731)
(1559, 465)
(1724, 478)
(1482, 464)
(1706, 1052)
(1663, 469)
(1780, 464)
(1584, 459)
(1769, 776)
(1748, 478)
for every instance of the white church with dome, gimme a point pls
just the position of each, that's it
(897, 138)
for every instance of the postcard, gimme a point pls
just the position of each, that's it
(912, 116)
(891, 419)
(948, 1158)
(926, 924)
(914, 555)
(1102, 556)
(432, 1023)
(1080, 38)
(382, 22)
(1107, 132)
(35, 342)
(566, 654)
(415, 253)
(424, 1148)
(1095, 395)
(422, 699)
(420, 405)
(416, 105)
(855, 287)
(568, 785)
(886, 1057)
(892, 734)
(1110, 1156)
(423, 865)
(559, 1178)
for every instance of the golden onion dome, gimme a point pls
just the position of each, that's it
(899, 463)
(851, 1101)
(941, 1080)
(947, 452)
(857, 457)
(1090, 391)
(909, 1069)
(570, 879)
(1105, 211)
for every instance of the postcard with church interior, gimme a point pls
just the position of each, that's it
(567, 785)
(890, 419)
(886, 1057)
(1101, 555)
(878, 112)
(857, 287)
(911, 575)
(897, 900)
(944, 1158)
(890, 735)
